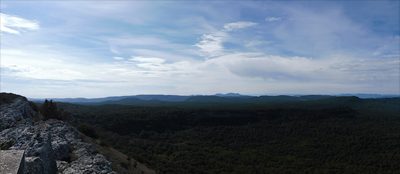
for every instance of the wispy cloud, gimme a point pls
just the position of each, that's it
(129, 40)
(68, 71)
(273, 68)
(389, 46)
(17, 23)
(148, 60)
(303, 70)
(118, 58)
(238, 25)
(255, 42)
(270, 19)
(212, 43)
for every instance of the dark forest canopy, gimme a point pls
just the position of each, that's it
(315, 135)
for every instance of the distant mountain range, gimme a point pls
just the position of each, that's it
(229, 97)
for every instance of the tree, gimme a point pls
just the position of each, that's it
(49, 111)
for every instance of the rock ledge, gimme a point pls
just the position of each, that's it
(50, 146)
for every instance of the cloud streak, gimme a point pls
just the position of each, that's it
(118, 58)
(10, 21)
(238, 25)
(270, 19)
(212, 44)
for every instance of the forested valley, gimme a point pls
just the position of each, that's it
(322, 135)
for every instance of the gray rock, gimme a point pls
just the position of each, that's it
(46, 142)
(88, 160)
(33, 165)
(36, 141)
(62, 165)
(18, 110)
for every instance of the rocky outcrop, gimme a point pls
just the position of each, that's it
(51, 146)
(36, 141)
(17, 111)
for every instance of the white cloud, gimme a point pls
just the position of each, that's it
(212, 43)
(35, 72)
(302, 70)
(68, 72)
(150, 46)
(114, 50)
(8, 30)
(150, 63)
(148, 60)
(238, 72)
(238, 25)
(118, 58)
(271, 68)
(270, 19)
(10, 21)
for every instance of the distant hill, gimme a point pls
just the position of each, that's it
(231, 95)
(249, 99)
(172, 98)
(82, 100)
(370, 95)
(228, 97)
(130, 101)
(168, 98)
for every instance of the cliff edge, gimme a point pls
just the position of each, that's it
(50, 146)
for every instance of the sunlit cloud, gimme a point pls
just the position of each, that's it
(9, 21)
(212, 43)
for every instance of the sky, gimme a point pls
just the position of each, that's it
(68, 49)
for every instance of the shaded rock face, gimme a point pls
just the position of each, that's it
(51, 146)
(35, 165)
(18, 110)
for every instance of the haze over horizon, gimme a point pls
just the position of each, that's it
(93, 49)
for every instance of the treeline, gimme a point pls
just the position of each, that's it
(339, 135)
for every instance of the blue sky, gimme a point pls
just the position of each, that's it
(100, 48)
